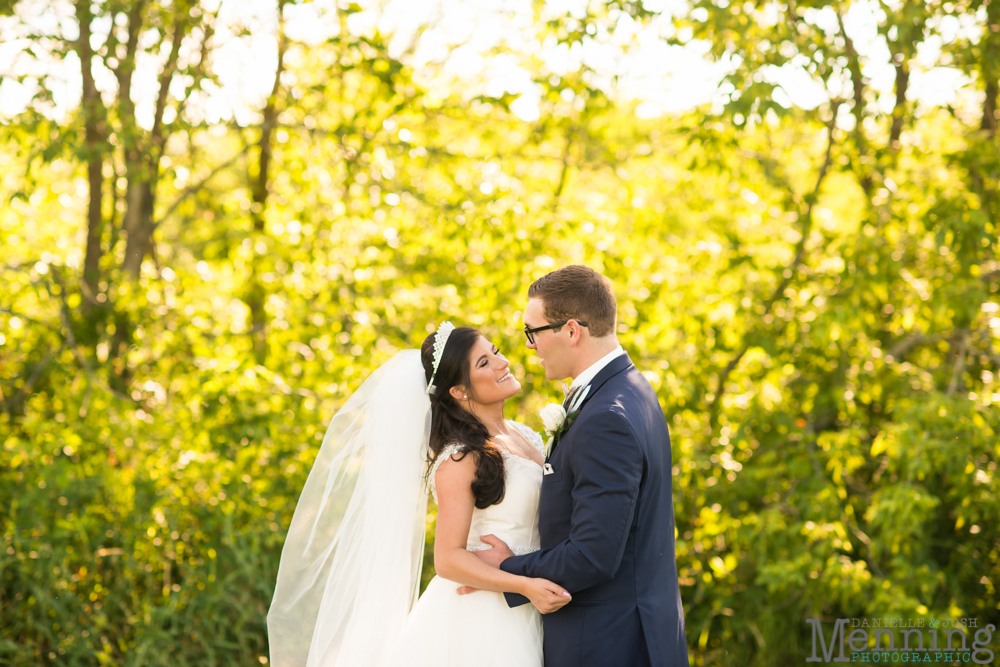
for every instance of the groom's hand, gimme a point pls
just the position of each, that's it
(492, 557)
(498, 554)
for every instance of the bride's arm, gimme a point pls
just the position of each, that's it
(453, 481)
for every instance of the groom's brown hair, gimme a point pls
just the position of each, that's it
(578, 292)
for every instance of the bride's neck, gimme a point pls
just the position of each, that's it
(491, 416)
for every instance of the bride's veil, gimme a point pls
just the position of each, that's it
(350, 567)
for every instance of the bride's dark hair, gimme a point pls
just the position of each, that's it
(451, 424)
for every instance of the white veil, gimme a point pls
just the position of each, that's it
(350, 567)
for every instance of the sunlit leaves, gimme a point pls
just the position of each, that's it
(846, 465)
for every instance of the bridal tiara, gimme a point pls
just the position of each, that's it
(440, 340)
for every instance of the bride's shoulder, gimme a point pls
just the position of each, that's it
(529, 434)
(449, 451)
(455, 449)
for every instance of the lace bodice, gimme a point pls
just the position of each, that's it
(514, 519)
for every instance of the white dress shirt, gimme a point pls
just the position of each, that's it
(585, 378)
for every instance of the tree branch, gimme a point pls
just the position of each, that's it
(40, 366)
(858, 83)
(789, 273)
(914, 341)
(564, 172)
(770, 167)
(28, 318)
(166, 76)
(191, 189)
(988, 351)
(869, 546)
(200, 71)
(959, 369)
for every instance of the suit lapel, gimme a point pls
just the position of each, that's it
(617, 365)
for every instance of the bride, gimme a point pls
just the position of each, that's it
(350, 568)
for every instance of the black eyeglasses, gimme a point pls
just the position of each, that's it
(530, 333)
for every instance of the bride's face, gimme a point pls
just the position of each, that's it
(489, 374)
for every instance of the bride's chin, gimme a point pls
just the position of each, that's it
(514, 388)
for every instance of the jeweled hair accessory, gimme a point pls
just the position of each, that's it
(440, 340)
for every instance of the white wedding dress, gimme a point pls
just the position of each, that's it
(445, 629)
(346, 590)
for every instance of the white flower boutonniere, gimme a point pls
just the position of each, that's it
(556, 422)
(553, 415)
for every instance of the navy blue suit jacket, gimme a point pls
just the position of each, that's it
(606, 520)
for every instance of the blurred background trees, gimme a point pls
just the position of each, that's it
(805, 266)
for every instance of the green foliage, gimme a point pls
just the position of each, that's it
(814, 298)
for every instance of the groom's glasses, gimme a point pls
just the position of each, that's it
(530, 333)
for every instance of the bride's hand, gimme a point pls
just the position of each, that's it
(545, 595)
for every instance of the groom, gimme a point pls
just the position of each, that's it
(606, 511)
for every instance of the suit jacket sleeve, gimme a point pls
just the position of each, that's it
(606, 468)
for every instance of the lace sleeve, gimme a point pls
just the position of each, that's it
(530, 435)
(446, 454)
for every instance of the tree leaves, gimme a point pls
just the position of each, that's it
(815, 307)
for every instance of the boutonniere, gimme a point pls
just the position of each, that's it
(556, 422)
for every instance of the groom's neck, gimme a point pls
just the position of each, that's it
(593, 351)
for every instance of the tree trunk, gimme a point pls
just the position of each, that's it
(93, 120)
(141, 199)
(256, 294)
(989, 123)
(138, 222)
(902, 83)
(858, 85)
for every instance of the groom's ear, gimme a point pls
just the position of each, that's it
(575, 332)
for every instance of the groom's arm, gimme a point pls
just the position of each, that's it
(607, 469)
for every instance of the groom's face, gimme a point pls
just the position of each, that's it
(550, 347)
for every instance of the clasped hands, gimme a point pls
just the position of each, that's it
(545, 595)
